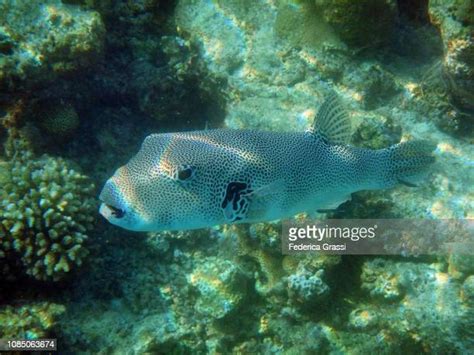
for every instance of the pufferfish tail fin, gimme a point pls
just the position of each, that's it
(332, 122)
(410, 161)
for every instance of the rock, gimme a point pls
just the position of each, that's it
(363, 23)
(40, 42)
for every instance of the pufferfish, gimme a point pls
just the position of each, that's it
(191, 180)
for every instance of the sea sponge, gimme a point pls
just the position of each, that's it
(45, 211)
(58, 119)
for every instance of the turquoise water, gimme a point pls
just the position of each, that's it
(84, 82)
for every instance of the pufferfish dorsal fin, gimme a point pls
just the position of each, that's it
(332, 122)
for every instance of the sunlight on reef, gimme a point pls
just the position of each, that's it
(83, 82)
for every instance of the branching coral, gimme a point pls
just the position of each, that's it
(46, 210)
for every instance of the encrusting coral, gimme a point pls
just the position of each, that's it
(46, 210)
(380, 281)
(222, 287)
(306, 287)
(29, 321)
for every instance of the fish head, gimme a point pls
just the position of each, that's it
(117, 207)
(159, 189)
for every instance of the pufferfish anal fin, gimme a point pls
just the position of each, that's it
(332, 122)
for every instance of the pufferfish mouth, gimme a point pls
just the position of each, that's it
(114, 211)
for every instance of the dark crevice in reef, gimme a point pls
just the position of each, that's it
(3, 131)
(344, 281)
(414, 40)
(415, 11)
(417, 47)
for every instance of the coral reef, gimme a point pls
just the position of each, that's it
(41, 42)
(222, 287)
(346, 16)
(149, 67)
(460, 265)
(307, 288)
(431, 304)
(29, 321)
(380, 281)
(301, 24)
(455, 21)
(468, 291)
(257, 245)
(281, 334)
(377, 131)
(47, 209)
(259, 76)
(5, 177)
(111, 72)
(376, 85)
(57, 119)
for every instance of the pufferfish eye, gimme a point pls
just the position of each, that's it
(184, 173)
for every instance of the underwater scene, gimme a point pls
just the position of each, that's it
(154, 155)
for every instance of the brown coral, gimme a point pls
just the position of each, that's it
(46, 210)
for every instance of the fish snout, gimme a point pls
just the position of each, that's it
(112, 206)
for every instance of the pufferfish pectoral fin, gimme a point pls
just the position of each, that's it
(267, 190)
(332, 122)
